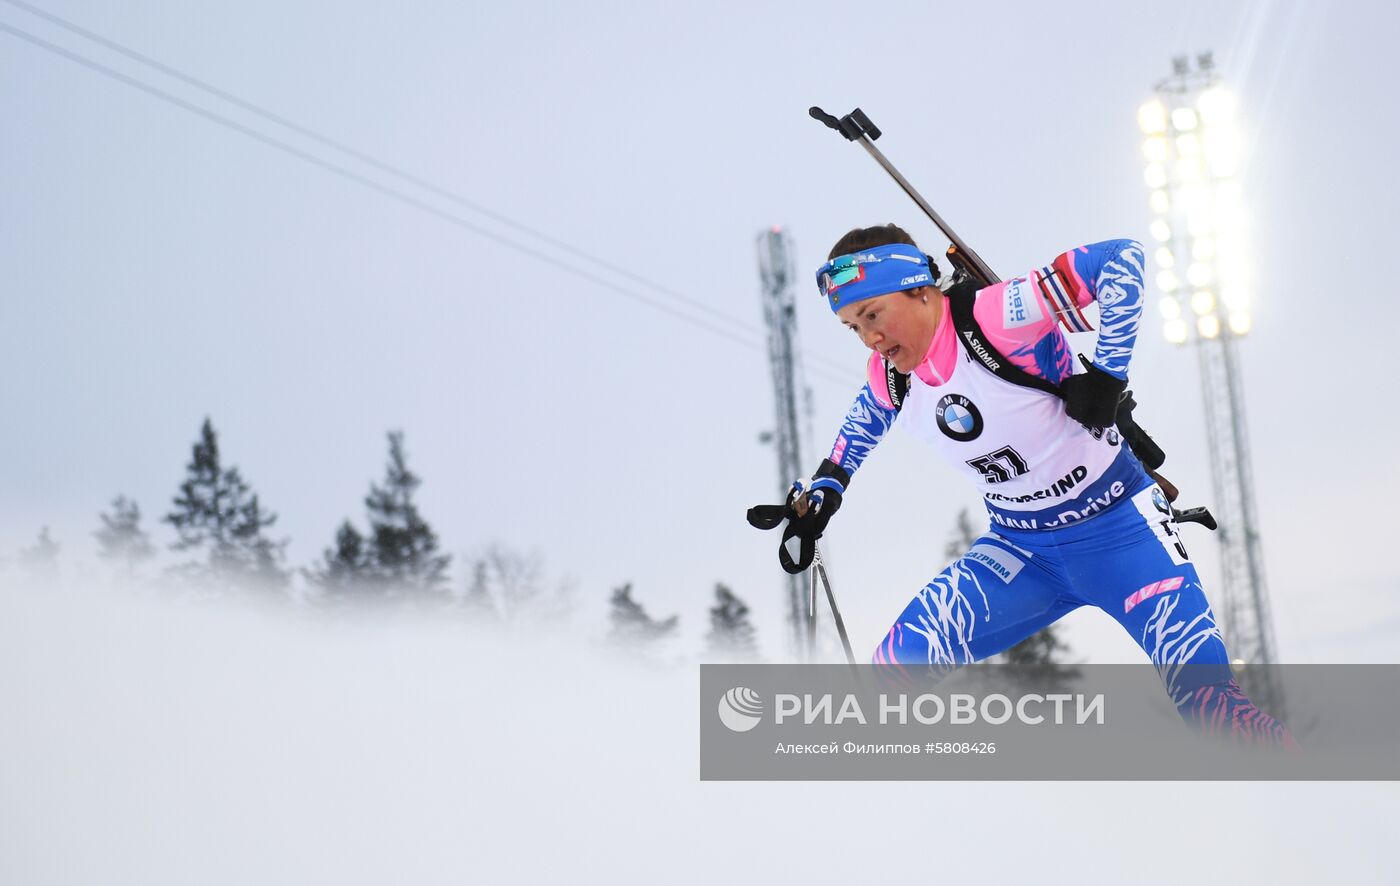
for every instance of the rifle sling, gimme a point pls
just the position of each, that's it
(961, 297)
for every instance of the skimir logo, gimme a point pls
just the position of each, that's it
(740, 709)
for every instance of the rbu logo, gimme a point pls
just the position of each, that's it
(917, 278)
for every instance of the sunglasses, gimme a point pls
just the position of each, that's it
(839, 272)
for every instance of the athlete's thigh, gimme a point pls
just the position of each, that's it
(985, 602)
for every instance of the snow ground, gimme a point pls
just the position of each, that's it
(150, 741)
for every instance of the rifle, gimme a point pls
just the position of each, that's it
(967, 264)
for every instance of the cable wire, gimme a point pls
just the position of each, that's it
(834, 371)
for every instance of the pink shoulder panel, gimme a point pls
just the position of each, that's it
(875, 374)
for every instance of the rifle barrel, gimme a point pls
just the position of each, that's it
(971, 256)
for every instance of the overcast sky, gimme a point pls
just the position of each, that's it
(158, 266)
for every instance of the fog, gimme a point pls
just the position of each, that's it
(153, 738)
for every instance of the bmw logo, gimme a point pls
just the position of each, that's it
(1159, 500)
(958, 418)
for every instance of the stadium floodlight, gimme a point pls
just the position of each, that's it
(1152, 117)
(1232, 222)
(1154, 148)
(1189, 169)
(1192, 149)
(1183, 119)
(1216, 105)
(1232, 268)
(1222, 150)
(1204, 289)
(1202, 302)
(1229, 196)
(1236, 299)
(1193, 199)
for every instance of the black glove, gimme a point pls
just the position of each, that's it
(1091, 398)
(808, 508)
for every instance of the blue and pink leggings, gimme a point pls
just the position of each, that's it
(1127, 561)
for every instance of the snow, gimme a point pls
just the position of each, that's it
(152, 740)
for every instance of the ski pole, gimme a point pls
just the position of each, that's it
(812, 612)
(818, 569)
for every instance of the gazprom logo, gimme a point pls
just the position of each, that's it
(740, 709)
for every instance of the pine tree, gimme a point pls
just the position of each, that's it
(345, 569)
(403, 547)
(40, 560)
(731, 636)
(631, 625)
(122, 540)
(217, 512)
(964, 536)
(477, 600)
(1044, 647)
(509, 586)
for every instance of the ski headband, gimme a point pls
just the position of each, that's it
(847, 279)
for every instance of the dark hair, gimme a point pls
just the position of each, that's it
(857, 239)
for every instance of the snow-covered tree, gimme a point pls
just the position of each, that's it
(402, 546)
(216, 512)
(631, 625)
(731, 636)
(122, 542)
(345, 569)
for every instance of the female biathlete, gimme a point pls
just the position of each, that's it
(1075, 518)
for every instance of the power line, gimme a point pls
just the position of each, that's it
(374, 186)
(746, 334)
(369, 159)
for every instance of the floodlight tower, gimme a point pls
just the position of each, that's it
(1192, 148)
(790, 398)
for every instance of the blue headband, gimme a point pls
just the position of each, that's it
(848, 279)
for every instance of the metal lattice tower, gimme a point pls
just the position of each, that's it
(790, 396)
(1192, 150)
